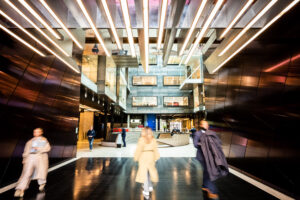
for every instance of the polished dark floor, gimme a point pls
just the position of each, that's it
(114, 178)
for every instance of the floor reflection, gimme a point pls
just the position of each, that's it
(114, 178)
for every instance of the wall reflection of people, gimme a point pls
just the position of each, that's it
(35, 162)
(211, 157)
(147, 154)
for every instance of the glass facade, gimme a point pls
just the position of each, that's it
(89, 66)
(144, 101)
(123, 89)
(176, 101)
(173, 80)
(144, 80)
(110, 79)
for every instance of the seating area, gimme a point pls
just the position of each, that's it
(173, 141)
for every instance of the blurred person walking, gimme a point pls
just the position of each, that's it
(91, 134)
(35, 162)
(124, 137)
(211, 157)
(147, 154)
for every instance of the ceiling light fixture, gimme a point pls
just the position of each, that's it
(89, 19)
(37, 40)
(246, 28)
(191, 30)
(22, 41)
(126, 17)
(163, 13)
(204, 29)
(291, 5)
(146, 33)
(35, 26)
(39, 18)
(237, 17)
(111, 23)
(43, 2)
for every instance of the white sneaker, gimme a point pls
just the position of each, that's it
(150, 189)
(146, 193)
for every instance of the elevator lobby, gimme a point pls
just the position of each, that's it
(84, 82)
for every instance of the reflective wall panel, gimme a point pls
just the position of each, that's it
(34, 92)
(255, 100)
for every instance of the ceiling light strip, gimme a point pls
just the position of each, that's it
(146, 33)
(126, 16)
(251, 23)
(43, 2)
(163, 13)
(22, 41)
(191, 30)
(237, 17)
(111, 23)
(39, 18)
(204, 29)
(89, 19)
(35, 26)
(37, 40)
(291, 5)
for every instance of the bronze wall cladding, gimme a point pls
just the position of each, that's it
(34, 92)
(256, 95)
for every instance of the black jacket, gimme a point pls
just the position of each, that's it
(91, 133)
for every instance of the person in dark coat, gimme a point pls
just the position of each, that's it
(124, 136)
(211, 157)
(193, 131)
(91, 134)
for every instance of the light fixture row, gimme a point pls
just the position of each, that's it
(248, 26)
(204, 29)
(34, 38)
(146, 33)
(285, 10)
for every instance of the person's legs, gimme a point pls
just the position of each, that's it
(146, 184)
(91, 143)
(124, 141)
(25, 178)
(42, 184)
(149, 182)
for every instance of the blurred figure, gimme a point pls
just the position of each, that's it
(35, 162)
(193, 131)
(91, 134)
(147, 154)
(211, 157)
(124, 136)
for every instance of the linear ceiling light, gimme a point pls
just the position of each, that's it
(111, 23)
(163, 12)
(245, 29)
(87, 16)
(43, 2)
(291, 5)
(237, 17)
(146, 33)
(36, 27)
(22, 41)
(39, 18)
(126, 16)
(37, 40)
(191, 30)
(204, 29)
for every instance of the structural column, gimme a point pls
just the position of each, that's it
(128, 121)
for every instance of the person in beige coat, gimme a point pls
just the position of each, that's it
(35, 162)
(147, 154)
